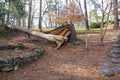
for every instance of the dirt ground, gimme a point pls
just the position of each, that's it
(70, 62)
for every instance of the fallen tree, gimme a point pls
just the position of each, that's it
(58, 35)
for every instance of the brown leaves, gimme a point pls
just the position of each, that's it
(71, 12)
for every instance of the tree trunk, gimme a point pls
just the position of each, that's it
(86, 15)
(40, 16)
(73, 36)
(8, 14)
(49, 37)
(24, 19)
(115, 9)
(29, 18)
(101, 29)
(95, 6)
(66, 2)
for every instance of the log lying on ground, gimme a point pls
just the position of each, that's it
(50, 37)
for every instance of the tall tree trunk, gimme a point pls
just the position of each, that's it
(95, 6)
(24, 19)
(115, 9)
(66, 2)
(101, 26)
(86, 15)
(8, 15)
(19, 22)
(40, 16)
(29, 18)
(101, 29)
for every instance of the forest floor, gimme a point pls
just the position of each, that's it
(70, 62)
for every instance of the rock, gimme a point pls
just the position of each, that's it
(35, 57)
(7, 67)
(7, 46)
(117, 69)
(19, 61)
(1, 60)
(106, 64)
(114, 55)
(115, 51)
(3, 47)
(26, 59)
(115, 48)
(21, 46)
(106, 71)
(115, 45)
(115, 60)
(31, 57)
(10, 60)
(37, 52)
(11, 47)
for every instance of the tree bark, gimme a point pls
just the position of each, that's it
(73, 36)
(86, 15)
(29, 18)
(40, 16)
(49, 37)
(8, 15)
(115, 9)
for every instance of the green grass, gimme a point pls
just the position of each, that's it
(78, 30)
(83, 30)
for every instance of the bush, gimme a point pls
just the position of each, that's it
(95, 25)
(111, 22)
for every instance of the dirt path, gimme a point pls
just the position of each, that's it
(68, 63)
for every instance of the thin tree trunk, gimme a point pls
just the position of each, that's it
(40, 16)
(108, 15)
(66, 2)
(96, 12)
(8, 14)
(24, 19)
(101, 29)
(29, 18)
(86, 15)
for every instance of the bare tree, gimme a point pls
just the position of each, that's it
(105, 7)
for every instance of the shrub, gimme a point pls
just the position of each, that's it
(111, 22)
(95, 25)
